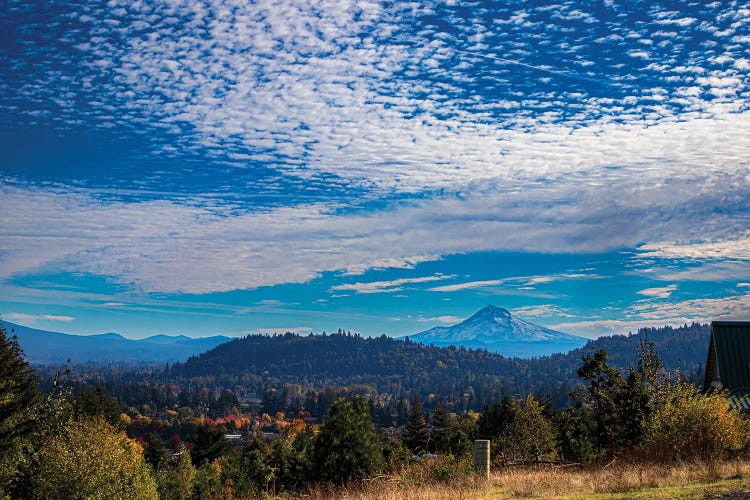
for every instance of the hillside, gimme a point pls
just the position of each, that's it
(461, 378)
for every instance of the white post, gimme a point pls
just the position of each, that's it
(482, 458)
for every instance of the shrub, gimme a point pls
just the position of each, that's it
(445, 469)
(689, 425)
(92, 459)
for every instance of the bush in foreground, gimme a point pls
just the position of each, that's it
(689, 425)
(91, 459)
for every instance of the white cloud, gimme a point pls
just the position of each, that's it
(737, 247)
(325, 88)
(705, 270)
(446, 320)
(518, 282)
(659, 292)
(193, 247)
(655, 313)
(270, 302)
(34, 318)
(386, 286)
(703, 310)
(466, 286)
(542, 310)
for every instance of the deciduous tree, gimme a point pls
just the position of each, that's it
(92, 459)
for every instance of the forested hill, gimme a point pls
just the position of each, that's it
(396, 367)
(684, 348)
(383, 363)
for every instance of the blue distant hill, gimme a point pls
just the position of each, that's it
(45, 347)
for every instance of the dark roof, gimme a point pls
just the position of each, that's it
(729, 359)
(740, 398)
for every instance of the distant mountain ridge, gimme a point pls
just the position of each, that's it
(46, 347)
(497, 330)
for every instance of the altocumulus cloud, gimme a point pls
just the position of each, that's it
(545, 128)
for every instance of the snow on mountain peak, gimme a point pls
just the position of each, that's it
(494, 325)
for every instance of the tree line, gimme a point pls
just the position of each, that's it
(291, 373)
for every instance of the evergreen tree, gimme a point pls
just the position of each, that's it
(495, 419)
(93, 401)
(347, 447)
(256, 471)
(18, 397)
(209, 443)
(442, 428)
(416, 436)
(464, 433)
(602, 399)
(574, 435)
(639, 394)
(155, 452)
(301, 466)
(175, 480)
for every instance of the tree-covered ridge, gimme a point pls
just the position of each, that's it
(292, 373)
(464, 378)
(342, 356)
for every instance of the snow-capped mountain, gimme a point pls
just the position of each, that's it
(497, 330)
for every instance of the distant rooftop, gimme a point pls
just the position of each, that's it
(728, 361)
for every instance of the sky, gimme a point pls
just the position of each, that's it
(227, 167)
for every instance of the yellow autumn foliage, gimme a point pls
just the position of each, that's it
(688, 425)
(91, 459)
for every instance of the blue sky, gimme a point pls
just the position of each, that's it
(225, 167)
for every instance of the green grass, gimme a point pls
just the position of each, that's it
(698, 490)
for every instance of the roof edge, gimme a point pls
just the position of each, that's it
(730, 323)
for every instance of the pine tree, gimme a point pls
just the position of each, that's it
(18, 392)
(416, 436)
(155, 452)
(601, 397)
(93, 401)
(209, 443)
(18, 398)
(348, 447)
(442, 428)
(495, 419)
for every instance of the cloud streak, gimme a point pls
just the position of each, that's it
(392, 286)
(31, 319)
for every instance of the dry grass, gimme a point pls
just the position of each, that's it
(617, 478)
(626, 480)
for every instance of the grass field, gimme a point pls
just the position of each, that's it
(618, 481)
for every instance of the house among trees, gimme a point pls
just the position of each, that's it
(728, 362)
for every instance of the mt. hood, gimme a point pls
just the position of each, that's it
(497, 330)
